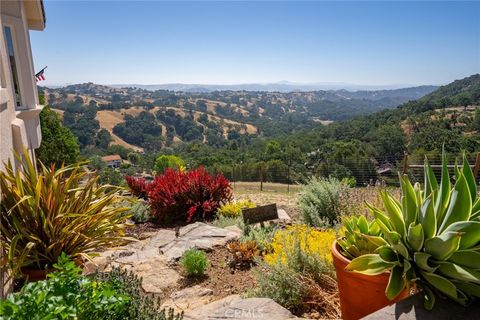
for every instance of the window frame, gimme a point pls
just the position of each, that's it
(14, 70)
(16, 26)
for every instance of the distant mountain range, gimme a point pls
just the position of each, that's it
(283, 86)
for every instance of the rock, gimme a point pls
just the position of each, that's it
(156, 275)
(234, 229)
(146, 249)
(197, 235)
(99, 264)
(189, 298)
(283, 215)
(146, 235)
(234, 307)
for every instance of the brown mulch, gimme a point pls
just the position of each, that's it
(136, 230)
(219, 277)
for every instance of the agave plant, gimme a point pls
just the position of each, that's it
(360, 237)
(45, 213)
(433, 237)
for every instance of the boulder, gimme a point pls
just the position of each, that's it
(197, 235)
(156, 274)
(234, 307)
(188, 299)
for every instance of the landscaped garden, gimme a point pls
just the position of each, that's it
(181, 246)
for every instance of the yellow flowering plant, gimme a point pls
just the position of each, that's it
(309, 241)
(234, 209)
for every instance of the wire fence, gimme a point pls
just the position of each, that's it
(357, 172)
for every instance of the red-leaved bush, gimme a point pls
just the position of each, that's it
(138, 186)
(183, 197)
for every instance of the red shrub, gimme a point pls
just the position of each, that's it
(138, 186)
(177, 196)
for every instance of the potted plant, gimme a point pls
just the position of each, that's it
(432, 238)
(45, 213)
(360, 238)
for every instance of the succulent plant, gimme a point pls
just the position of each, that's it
(433, 237)
(360, 237)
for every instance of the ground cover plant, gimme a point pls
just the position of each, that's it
(194, 262)
(66, 294)
(262, 236)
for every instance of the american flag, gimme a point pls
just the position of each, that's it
(39, 76)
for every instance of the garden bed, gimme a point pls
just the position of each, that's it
(219, 277)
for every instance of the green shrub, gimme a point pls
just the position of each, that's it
(223, 221)
(140, 306)
(280, 284)
(234, 209)
(321, 202)
(263, 236)
(195, 262)
(66, 294)
(165, 162)
(140, 212)
(350, 181)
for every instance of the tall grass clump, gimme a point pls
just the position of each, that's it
(321, 202)
(53, 210)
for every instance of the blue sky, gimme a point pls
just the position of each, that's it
(364, 43)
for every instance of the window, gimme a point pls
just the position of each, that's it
(13, 64)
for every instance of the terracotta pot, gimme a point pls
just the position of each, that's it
(360, 294)
(31, 274)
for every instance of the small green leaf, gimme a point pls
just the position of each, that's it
(428, 298)
(394, 213)
(466, 258)
(409, 201)
(460, 207)
(396, 283)
(443, 246)
(369, 264)
(442, 199)
(421, 260)
(427, 218)
(440, 283)
(362, 224)
(401, 249)
(467, 172)
(415, 236)
(470, 231)
(387, 254)
(454, 271)
(431, 184)
(469, 288)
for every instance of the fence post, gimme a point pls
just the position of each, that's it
(477, 166)
(261, 176)
(405, 163)
(288, 179)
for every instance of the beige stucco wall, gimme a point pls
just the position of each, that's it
(19, 126)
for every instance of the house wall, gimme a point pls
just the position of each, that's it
(19, 125)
